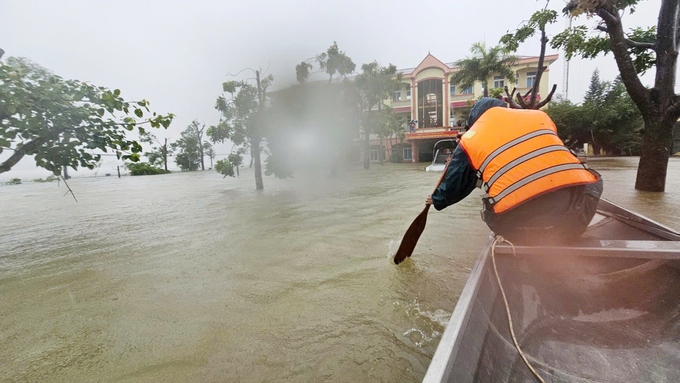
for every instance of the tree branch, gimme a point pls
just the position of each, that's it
(547, 99)
(638, 93)
(667, 53)
(541, 69)
(509, 99)
(631, 43)
(69, 189)
(20, 152)
(521, 102)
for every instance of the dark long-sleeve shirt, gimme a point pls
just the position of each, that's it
(460, 180)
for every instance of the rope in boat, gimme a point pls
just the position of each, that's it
(500, 239)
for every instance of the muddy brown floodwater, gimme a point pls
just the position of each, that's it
(191, 277)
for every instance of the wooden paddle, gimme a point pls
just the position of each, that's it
(408, 243)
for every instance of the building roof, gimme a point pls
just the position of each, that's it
(431, 61)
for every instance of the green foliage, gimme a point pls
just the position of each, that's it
(537, 22)
(144, 169)
(236, 159)
(240, 114)
(64, 122)
(302, 71)
(49, 178)
(608, 119)
(577, 41)
(334, 61)
(14, 181)
(483, 64)
(189, 147)
(278, 167)
(224, 167)
(158, 156)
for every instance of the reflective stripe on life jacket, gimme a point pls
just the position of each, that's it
(518, 156)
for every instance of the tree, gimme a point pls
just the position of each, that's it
(224, 167)
(375, 83)
(189, 147)
(334, 61)
(511, 41)
(66, 123)
(635, 52)
(209, 151)
(198, 129)
(236, 159)
(483, 64)
(159, 154)
(607, 119)
(302, 71)
(243, 118)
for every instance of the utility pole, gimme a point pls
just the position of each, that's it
(565, 75)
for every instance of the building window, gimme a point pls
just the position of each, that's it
(430, 104)
(517, 78)
(498, 81)
(531, 77)
(374, 154)
(467, 90)
(408, 154)
(396, 96)
(408, 92)
(453, 90)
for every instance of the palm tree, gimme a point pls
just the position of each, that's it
(482, 65)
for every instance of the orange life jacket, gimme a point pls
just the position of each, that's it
(518, 156)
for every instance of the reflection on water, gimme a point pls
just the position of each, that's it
(189, 277)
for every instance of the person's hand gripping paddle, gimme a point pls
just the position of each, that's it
(408, 243)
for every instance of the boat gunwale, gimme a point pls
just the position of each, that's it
(450, 342)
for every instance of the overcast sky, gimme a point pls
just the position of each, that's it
(177, 54)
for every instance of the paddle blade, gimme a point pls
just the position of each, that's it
(408, 243)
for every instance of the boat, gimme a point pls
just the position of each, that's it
(439, 155)
(605, 309)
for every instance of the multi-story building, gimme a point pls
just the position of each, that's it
(441, 107)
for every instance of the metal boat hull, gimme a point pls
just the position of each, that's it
(605, 309)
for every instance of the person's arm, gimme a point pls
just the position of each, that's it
(458, 183)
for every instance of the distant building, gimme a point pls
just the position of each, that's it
(440, 107)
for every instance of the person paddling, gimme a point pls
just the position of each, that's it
(536, 190)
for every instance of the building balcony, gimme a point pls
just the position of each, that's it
(460, 100)
(401, 106)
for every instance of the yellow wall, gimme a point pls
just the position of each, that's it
(432, 72)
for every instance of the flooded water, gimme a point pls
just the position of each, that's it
(191, 277)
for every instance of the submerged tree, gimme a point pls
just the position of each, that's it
(483, 63)
(189, 149)
(159, 154)
(66, 123)
(635, 52)
(244, 120)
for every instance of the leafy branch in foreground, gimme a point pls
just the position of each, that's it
(64, 123)
(635, 52)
